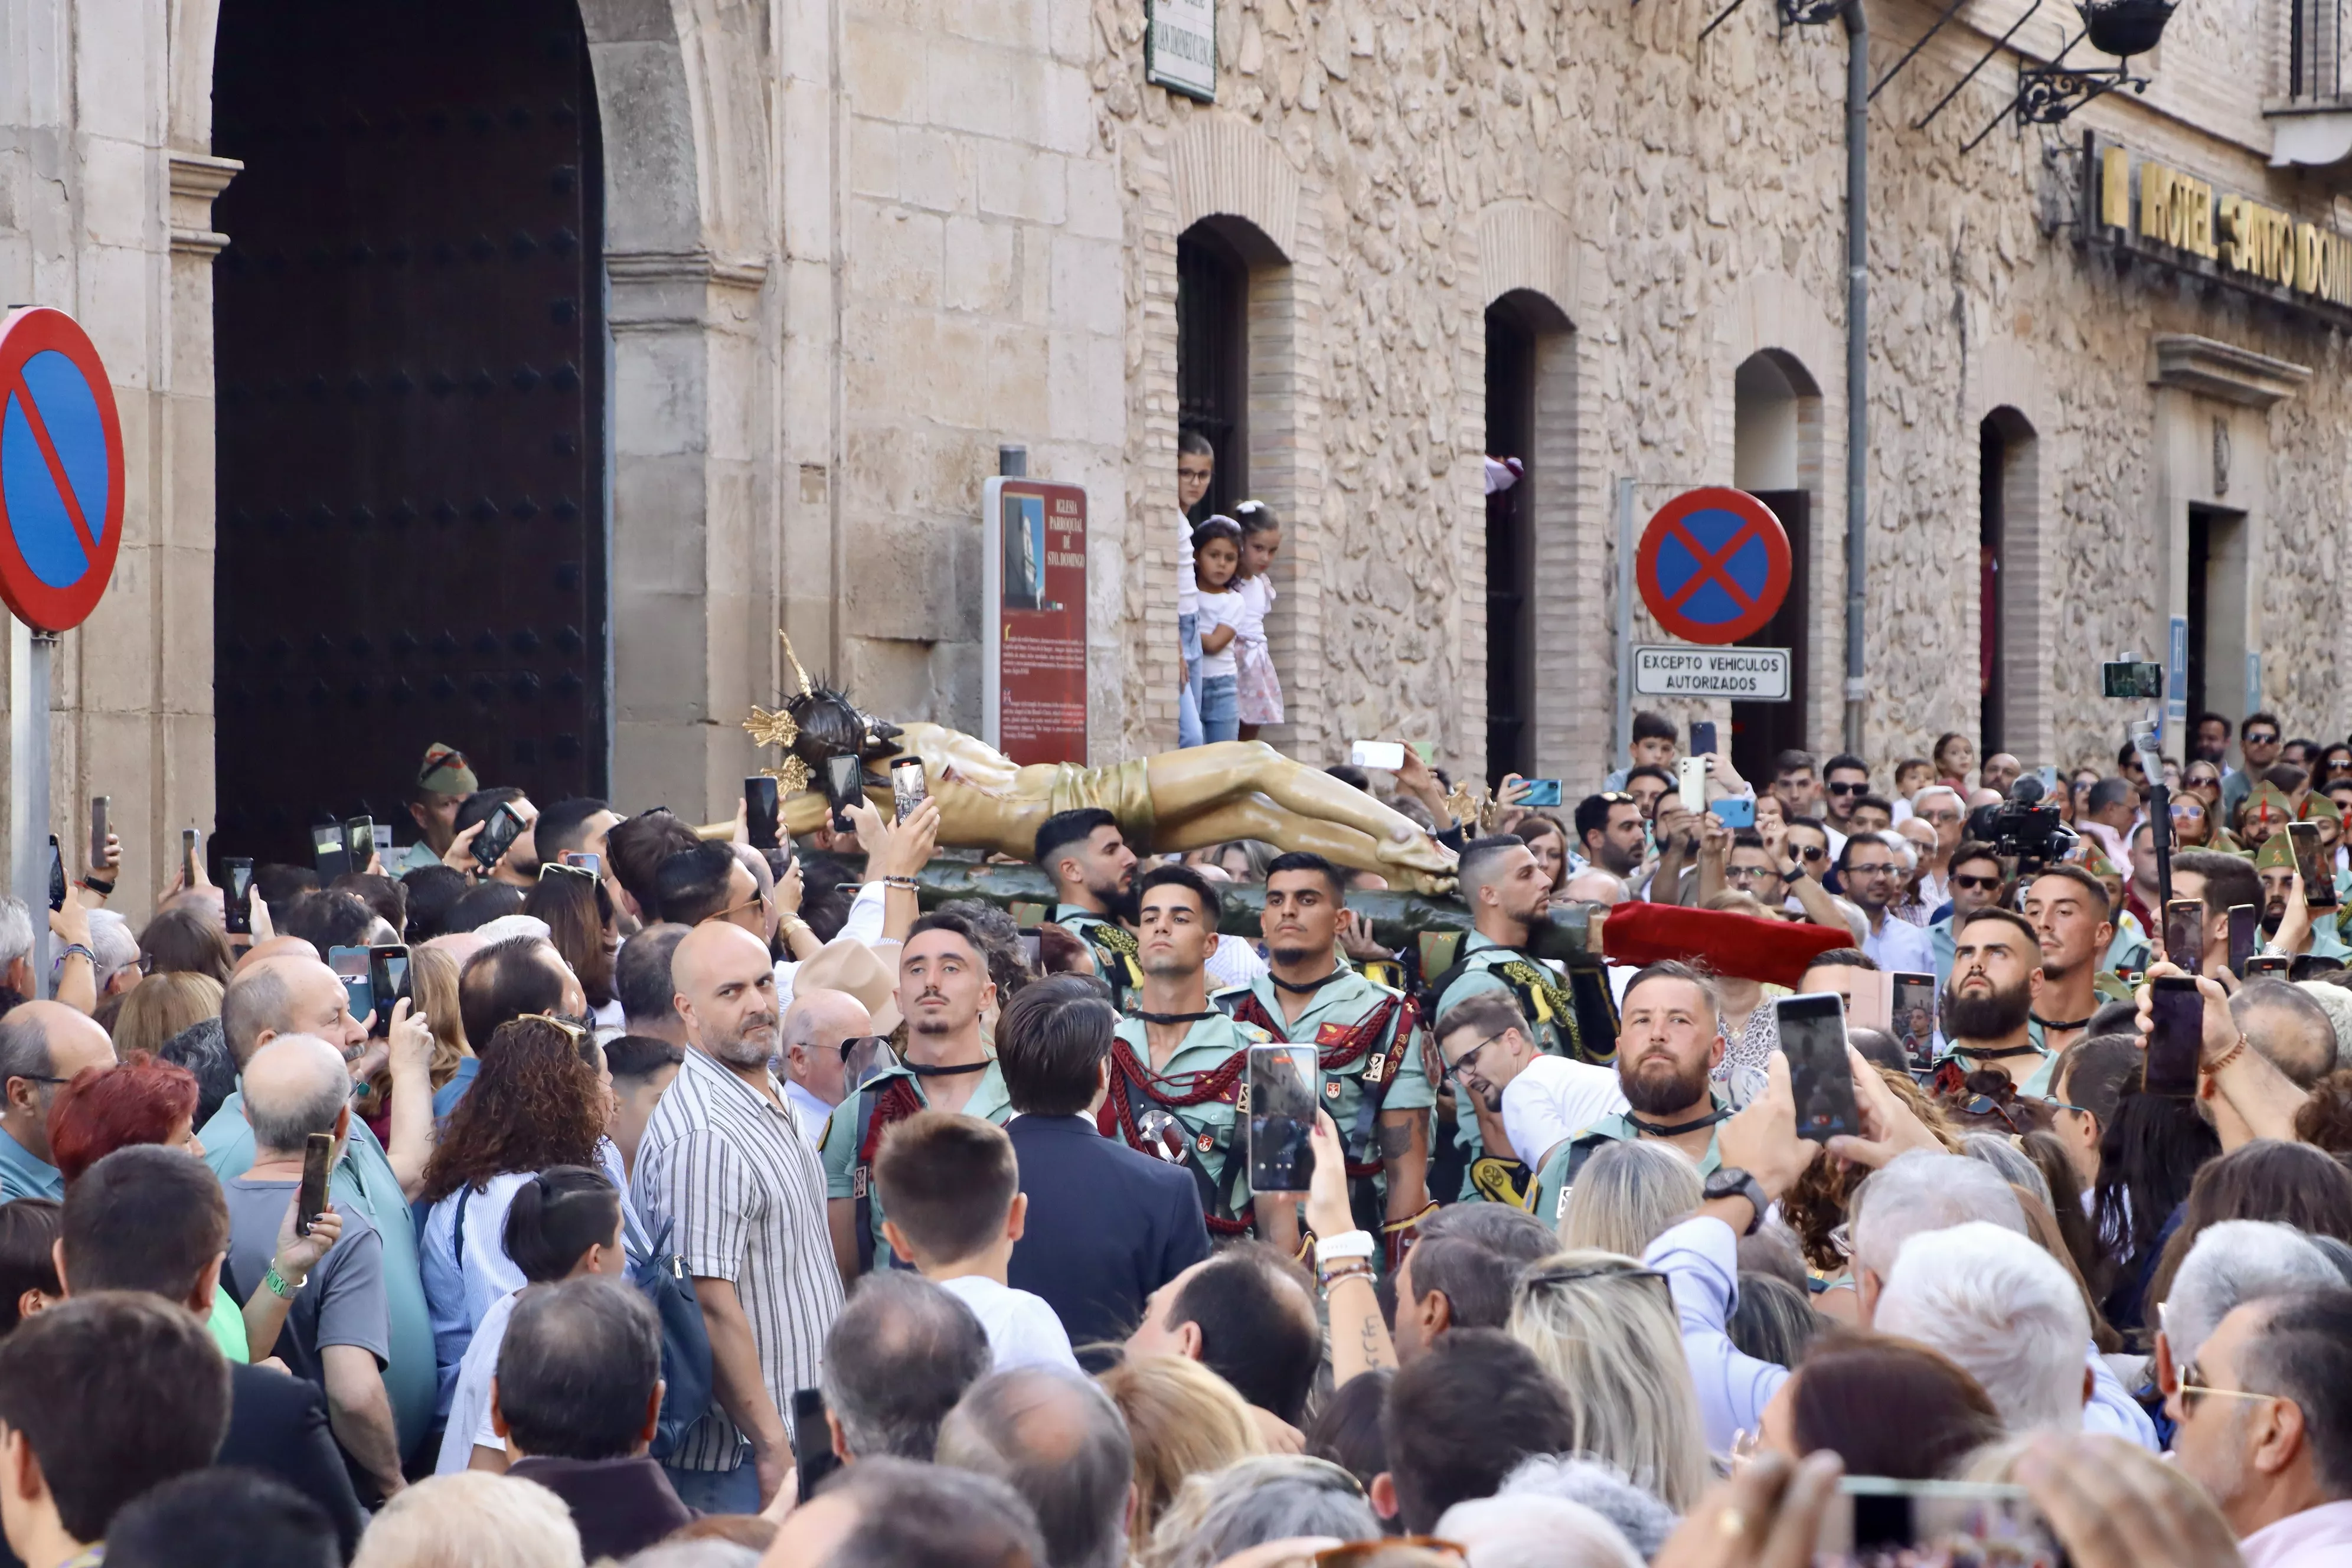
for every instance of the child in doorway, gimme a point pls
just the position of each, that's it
(1257, 690)
(1216, 556)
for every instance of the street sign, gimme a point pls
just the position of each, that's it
(1712, 565)
(1033, 599)
(1742, 674)
(61, 471)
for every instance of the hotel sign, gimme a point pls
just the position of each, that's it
(2170, 216)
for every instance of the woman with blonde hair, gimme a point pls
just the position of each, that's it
(1185, 1420)
(1626, 1196)
(1604, 1327)
(162, 1006)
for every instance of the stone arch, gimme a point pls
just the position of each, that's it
(1220, 166)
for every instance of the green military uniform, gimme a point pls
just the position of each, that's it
(1559, 1173)
(1114, 948)
(1187, 1111)
(2128, 952)
(2277, 854)
(1949, 1069)
(1544, 1000)
(855, 1131)
(1371, 1046)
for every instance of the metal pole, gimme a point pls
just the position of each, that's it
(29, 786)
(1857, 356)
(1625, 753)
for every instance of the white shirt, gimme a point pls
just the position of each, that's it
(1187, 591)
(1555, 1099)
(1899, 945)
(1234, 962)
(1021, 1329)
(469, 1408)
(809, 1112)
(1223, 609)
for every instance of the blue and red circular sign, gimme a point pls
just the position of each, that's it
(61, 471)
(1712, 565)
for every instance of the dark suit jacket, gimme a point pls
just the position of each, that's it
(277, 1425)
(1106, 1226)
(622, 1506)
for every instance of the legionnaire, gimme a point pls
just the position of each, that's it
(1667, 1048)
(1507, 895)
(2274, 863)
(1370, 1043)
(1177, 1063)
(1093, 872)
(943, 989)
(1986, 1009)
(2069, 908)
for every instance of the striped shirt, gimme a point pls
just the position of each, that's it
(726, 1170)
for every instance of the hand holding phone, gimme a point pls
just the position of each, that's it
(1284, 1082)
(1387, 756)
(236, 897)
(192, 865)
(1538, 794)
(2184, 935)
(318, 1163)
(2175, 1036)
(1820, 1077)
(812, 1455)
(760, 809)
(387, 986)
(1690, 779)
(909, 787)
(334, 856)
(1702, 737)
(2311, 865)
(98, 831)
(498, 836)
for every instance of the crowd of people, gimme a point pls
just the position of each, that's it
(701, 1204)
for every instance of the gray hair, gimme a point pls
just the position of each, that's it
(16, 930)
(1626, 1196)
(283, 1115)
(1640, 1516)
(2012, 1162)
(2006, 1311)
(1535, 1532)
(1603, 885)
(2232, 1262)
(23, 1048)
(1922, 1191)
(896, 1360)
(1055, 1438)
(256, 1000)
(110, 939)
(1272, 1498)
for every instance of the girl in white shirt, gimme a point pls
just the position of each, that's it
(1216, 556)
(1257, 690)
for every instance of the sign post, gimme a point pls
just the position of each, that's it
(61, 528)
(1033, 620)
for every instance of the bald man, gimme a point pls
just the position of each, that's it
(291, 992)
(816, 1026)
(338, 1331)
(724, 1167)
(42, 1044)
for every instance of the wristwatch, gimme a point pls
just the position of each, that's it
(1731, 1182)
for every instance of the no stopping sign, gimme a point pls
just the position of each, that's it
(61, 471)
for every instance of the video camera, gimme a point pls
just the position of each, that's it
(2024, 827)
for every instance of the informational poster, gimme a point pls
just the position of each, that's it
(1181, 47)
(1034, 579)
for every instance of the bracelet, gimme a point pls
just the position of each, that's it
(77, 948)
(1348, 1243)
(278, 1285)
(1355, 1268)
(2226, 1058)
(908, 883)
(103, 889)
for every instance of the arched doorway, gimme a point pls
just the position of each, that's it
(1775, 446)
(410, 335)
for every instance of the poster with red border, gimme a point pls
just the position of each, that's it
(1033, 574)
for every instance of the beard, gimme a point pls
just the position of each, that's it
(750, 1046)
(923, 1023)
(1987, 1016)
(1121, 904)
(1289, 956)
(1660, 1086)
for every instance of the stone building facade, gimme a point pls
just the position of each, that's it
(849, 248)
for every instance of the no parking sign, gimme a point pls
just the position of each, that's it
(1712, 565)
(61, 471)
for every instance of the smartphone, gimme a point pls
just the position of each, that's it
(1539, 791)
(1031, 945)
(57, 876)
(1386, 755)
(334, 856)
(1285, 1084)
(2267, 966)
(499, 832)
(318, 1165)
(1812, 1037)
(98, 805)
(1702, 737)
(387, 984)
(2242, 937)
(759, 811)
(191, 847)
(351, 966)
(359, 838)
(586, 860)
(2318, 880)
(2175, 1033)
(236, 896)
(844, 785)
(1915, 1015)
(1690, 778)
(812, 1455)
(1734, 813)
(2049, 777)
(2184, 935)
(909, 788)
(2137, 680)
(1876, 1522)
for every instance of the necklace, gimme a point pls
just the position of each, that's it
(1311, 987)
(1654, 1130)
(1176, 1017)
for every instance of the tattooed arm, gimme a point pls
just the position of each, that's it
(1360, 1337)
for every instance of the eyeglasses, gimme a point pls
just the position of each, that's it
(559, 868)
(1975, 884)
(1875, 868)
(573, 1027)
(2054, 1103)
(1809, 851)
(2192, 1390)
(1577, 1273)
(1946, 816)
(1750, 873)
(1459, 1069)
(1837, 788)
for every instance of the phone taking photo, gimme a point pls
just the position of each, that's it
(2242, 929)
(2318, 881)
(236, 895)
(1690, 779)
(813, 1455)
(360, 842)
(1702, 737)
(909, 787)
(1735, 812)
(1537, 793)
(2175, 1034)
(1388, 756)
(1284, 1083)
(1821, 1078)
(351, 966)
(98, 804)
(2267, 966)
(318, 1165)
(192, 849)
(57, 876)
(760, 809)
(1877, 1522)
(844, 787)
(387, 984)
(334, 856)
(499, 831)
(1915, 1015)
(2184, 935)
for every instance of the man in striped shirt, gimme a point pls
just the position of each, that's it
(723, 1165)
